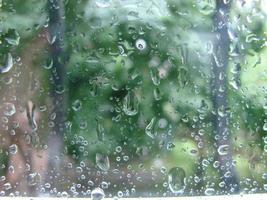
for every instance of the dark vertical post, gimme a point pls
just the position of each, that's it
(219, 96)
(56, 42)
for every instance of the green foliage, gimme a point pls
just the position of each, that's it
(128, 64)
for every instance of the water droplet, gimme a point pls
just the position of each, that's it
(130, 104)
(103, 3)
(13, 149)
(177, 180)
(34, 179)
(30, 109)
(251, 37)
(205, 163)
(170, 146)
(197, 179)
(102, 161)
(100, 131)
(209, 191)
(76, 105)
(150, 128)
(265, 126)
(8, 65)
(206, 7)
(13, 37)
(7, 186)
(9, 109)
(97, 194)
(122, 50)
(209, 47)
(118, 149)
(157, 95)
(140, 44)
(51, 39)
(11, 169)
(125, 158)
(83, 125)
(64, 194)
(222, 184)
(154, 74)
(162, 123)
(142, 151)
(104, 185)
(120, 194)
(47, 185)
(232, 34)
(226, 1)
(49, 64)
(223, 150)
(234, 84)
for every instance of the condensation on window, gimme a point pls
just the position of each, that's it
(133, 98)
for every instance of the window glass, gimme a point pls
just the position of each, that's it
(133, 98)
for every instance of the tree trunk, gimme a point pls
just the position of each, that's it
(228, 177)
(56, 136)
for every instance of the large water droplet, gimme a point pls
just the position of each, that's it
(13, 37)
(8, 65)
(177, 180)
(140, 44)
(150, 128)
(100, 131)
(223, 149)
(9, 109)
(13, 149)
(97, 194)
(102, 161)
(130, 104)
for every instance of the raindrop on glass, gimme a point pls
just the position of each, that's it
(223, 150)
(97, 194)
(100, 131)
(13, 149)
(265, 126)
(8, 64)
(9, 109)
(177, 180)
(130, 104)
(140, 44)
(209, 191)
(102, 161)
(102, 3)
(150, 128)
(76, 105)
(13, 38)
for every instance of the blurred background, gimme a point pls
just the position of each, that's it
(137, 97)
